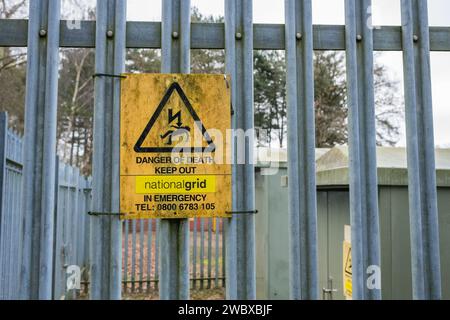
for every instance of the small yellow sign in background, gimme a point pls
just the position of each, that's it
(347, 262)
(347, 266)
(175, 148)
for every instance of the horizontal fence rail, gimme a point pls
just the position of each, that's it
(147, 35)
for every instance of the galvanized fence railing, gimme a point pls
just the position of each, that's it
(72, 225)
(71, 232)
(44, 33)
(11, 165)
(141, 255)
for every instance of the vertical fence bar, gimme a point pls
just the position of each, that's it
(5, 208)
(149, 252)
(157, 254)
(87, 224)
(141, 254)
(4, 276)
(125, 261)
(133, 256)
(79, 219)
(70, 227)
(17, 240)
(216, 255)
(210, 222)
(17, 229)
(55, 234)
(86, 199)
(194, 254)
(58, 272)
(362, 148)
(6, 219)
(301, 150)
(224, 253)
(10, 233)
(40, 139)
(202, 252)
(66, 230)
(88, 207)
(106, 231)
(424, 225)
(6, 237)
(83, 216)
(240, 229)
(73, 219)
(13, 231)
(10, 212)
(174, 233)
(19, 157)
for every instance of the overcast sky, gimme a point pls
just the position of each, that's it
(385, 12)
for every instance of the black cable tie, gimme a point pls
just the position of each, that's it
(226, 81)
(242, 212)
(96, 214)
(228, 87)
(109, 75)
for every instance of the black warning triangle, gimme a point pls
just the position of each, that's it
(348, 262)
(174, 87)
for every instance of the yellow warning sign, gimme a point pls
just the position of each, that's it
(175, 146)
(347, 267)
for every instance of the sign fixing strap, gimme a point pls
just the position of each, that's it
(108, 75)
(97, 214)
(242, 212)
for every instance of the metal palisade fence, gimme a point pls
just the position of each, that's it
(11, 165)
(72, 227)
(141, 255)
(72, 202)
(111, 34)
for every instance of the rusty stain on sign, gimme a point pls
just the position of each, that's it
(175, 148)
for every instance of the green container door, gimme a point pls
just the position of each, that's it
(333, 215)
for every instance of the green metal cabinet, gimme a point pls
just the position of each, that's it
(272, 237)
